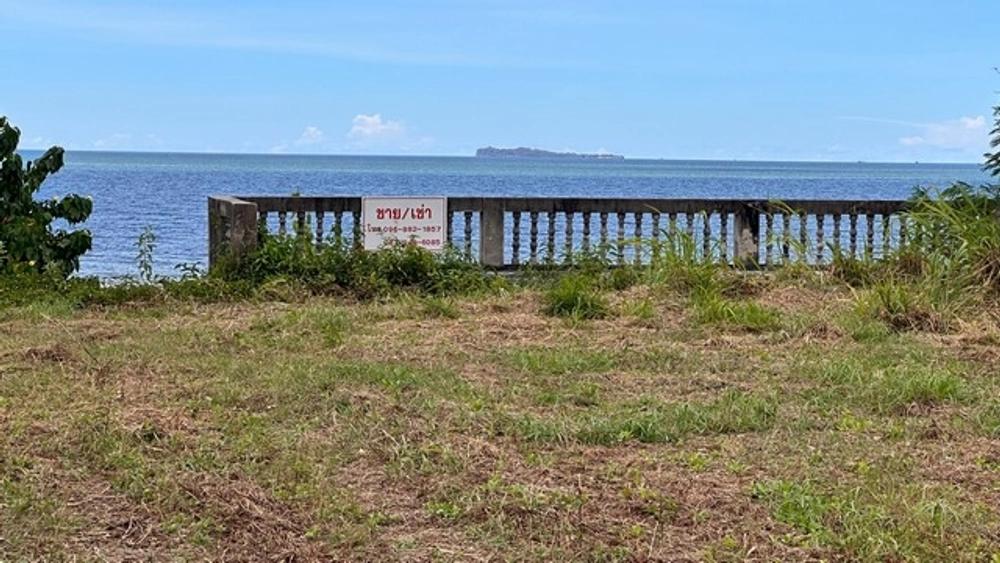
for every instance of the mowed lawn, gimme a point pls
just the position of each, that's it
(481, 429)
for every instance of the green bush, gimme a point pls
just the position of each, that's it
(23, 288)
(341, 267)
(27, 239)
(992, 164)
(285, 268)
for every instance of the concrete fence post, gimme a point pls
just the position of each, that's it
(491, 233)
(746, 235)
(232, 228)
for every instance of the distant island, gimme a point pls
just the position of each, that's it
(524, 152)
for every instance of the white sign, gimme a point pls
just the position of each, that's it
(421, 220)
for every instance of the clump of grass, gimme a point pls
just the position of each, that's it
(648, 500)
(921, 293)
(960, 225)
(859, 523)
(435, 307)
(987, 419)
(334, 326)
(444, 509)
(853, 270)
(745, 315)
(20, 290)
(622, 277)
(793, 253)
(677, 262)
(891, 389)
(534, 428)
(643, 311)
(583, 395)
(797, 504)
(575, 296)
(901, 307)
(949, 262)
(648, 421)
(284, 268)
(864, 327)
(734, 412)
(559, 360)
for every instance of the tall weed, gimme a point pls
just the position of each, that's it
(679, 263)
(958, 230)
(793, 250)
(948, 262)
(853, 270)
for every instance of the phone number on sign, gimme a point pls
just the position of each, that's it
(407, 229)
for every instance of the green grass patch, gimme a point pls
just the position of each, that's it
(653, 422)
(918, 524)
(888, 389)
(558, 360)
(576, 297)
(744, 315)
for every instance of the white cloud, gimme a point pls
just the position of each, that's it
(369, 129)
(964, 133)
(968, 136)
(311, 136)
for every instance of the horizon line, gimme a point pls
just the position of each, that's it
(473, 156)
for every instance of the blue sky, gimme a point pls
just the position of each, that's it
(876, 80)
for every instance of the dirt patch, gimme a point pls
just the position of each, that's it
(250, 524)
(114, 527)
(158, 424)
(821, 331)
(796, 299)
(244, 524)
(54, 354)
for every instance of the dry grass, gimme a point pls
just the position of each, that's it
(482, 429)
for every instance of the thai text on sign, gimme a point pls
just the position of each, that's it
(420, 220)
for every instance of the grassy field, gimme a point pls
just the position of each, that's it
(783, 422)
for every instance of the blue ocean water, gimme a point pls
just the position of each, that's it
(168, 192)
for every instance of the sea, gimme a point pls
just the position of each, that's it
(168, 192)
